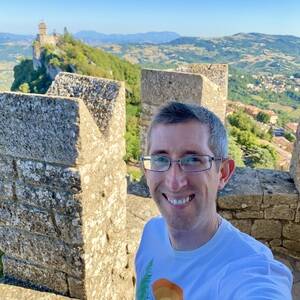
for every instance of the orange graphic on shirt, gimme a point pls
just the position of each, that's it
(164, 289)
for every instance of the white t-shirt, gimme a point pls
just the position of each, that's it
(230, 266)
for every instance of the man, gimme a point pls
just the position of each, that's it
(191, 252)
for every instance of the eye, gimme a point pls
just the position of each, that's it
(159, 160)
(193, 160)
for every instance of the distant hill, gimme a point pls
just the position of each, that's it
(10, 37)
(95, 38)
(251, 52)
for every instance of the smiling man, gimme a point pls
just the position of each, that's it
(191, 252)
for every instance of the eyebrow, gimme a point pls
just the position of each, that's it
(189, 152)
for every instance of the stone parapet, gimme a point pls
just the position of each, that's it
(63, 188)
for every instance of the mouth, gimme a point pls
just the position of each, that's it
(179, 201)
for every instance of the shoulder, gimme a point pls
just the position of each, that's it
(243, 245)
(154, 223)
(154, 230)
(257, 277)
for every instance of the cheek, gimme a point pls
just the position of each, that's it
(152, 180)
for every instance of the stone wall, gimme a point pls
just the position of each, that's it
(199, 84)
(63, 189)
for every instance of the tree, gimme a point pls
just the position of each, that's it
(241, 120)
(235, 152)
(263, 117)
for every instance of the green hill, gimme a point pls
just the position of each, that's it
(253, 52)
(71, 55)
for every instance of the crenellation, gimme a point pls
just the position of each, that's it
(68, 215)
(159, 87)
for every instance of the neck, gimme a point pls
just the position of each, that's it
(194, 238)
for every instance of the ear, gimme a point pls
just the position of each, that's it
(226, 171)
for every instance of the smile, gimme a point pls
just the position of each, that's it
(181, 201)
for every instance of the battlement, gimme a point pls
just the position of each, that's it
(63, 188)
(199, 84)
(67, 227)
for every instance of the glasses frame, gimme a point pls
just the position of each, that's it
(148, 157)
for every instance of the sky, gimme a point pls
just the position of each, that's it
(203, 18)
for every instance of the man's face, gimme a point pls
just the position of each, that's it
(197, 190)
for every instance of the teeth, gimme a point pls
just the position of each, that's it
(180, 201)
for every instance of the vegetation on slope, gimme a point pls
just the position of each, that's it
(245, 143)
(71, 55)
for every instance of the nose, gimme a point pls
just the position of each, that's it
(175, 178)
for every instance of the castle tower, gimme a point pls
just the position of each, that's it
(42, 28)
(41, 40)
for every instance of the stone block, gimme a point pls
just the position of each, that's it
(283, 212)
(297, 218)
(6, 190)
(291, 231)
(37, 275)
(45, 197)
(275, 243)
(287, 253)
(41, 250)
(239, 194)
(39, 173)
(278, 188)
(292, 245)
(6, 168)
(76, 288)
(11, 292)
(234, 202)
(225, 214)
(251, 214)
(39, 127)
(242, 225)
(70, 228)
(26, 218)
(266, 229)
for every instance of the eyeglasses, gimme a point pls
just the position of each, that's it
(188, 163)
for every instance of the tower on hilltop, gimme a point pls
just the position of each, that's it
(42, 39)
(42, 28)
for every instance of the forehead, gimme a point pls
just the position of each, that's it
(180, 138)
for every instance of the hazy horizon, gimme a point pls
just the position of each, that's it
(187, 18)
